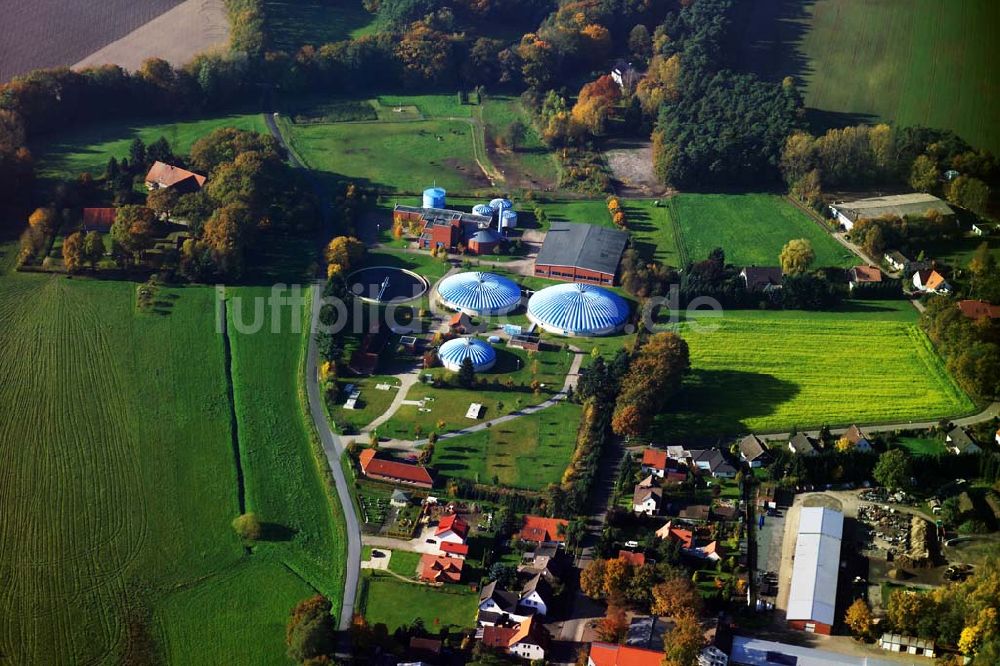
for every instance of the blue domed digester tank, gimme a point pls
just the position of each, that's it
(483, 209)
(508, 220)
(434, 197)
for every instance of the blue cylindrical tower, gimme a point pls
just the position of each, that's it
(434, 197)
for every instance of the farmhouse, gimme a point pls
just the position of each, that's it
(812, 596)
(539, 529)
(162, 175)
(979, 309)
(98, 219)
(647, 500)
(447, 229)
(436, 569)
(393, 471)
(931, 282)
(753, 451)
(959, 442)
(761, 278)
(581, 253)
(862, 275)
(917, 204)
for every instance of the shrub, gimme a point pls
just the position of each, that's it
(248, 527)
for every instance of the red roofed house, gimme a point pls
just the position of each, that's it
(860, 275)
(684, 537)
(457, 550)
(654, 461)
(162, 175)
(99, 219)
(543, 530)
(435, 569)
(607, 654)
(931, 281)
(393, 471)
(979, 309)
(527, 640)
(452, 529)
(635, 559)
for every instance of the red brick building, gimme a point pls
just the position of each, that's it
(393, 471)
(577, 252)
(442, 228)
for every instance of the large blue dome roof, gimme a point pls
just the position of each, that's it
(577, 309)
(453, 352)
(479, 293)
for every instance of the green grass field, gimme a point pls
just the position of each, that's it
(751, 228)
(532, 164)
(394, 603)
(120, 482)
(529, 452)
(913, 63)
(770, 371)
(291, 24)
(922, 446)
(69, 154)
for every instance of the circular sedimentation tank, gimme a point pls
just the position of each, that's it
(479, 294)
(454, 352)
(386, 284)
(574, 309)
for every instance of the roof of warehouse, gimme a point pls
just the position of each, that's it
(901, 205)
(813, 591)
(584, 246)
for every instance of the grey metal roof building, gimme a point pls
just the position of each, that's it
(581, 252)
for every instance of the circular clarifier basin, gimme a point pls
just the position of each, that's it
(386, 284)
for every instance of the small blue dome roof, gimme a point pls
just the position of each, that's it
(501, 204)
(482, 209)
(577, 309)
(453, 352)
(479, 293)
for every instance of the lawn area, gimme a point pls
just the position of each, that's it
(751, 228)
(529, 452)
(958, 252)
(922, 446)
(448, 405)
(394, 603)
(404, 562)
(373, 402)
(292, 23)
(69, 154)
(769, 371)
(120, 482)
(400, 157)
(532, 164)
(913, 63)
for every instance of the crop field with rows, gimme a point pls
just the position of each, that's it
(771, 373)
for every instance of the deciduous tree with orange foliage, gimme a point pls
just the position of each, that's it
(654, 376)
(613, 626)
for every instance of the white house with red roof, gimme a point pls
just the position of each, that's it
(654, 461)
(452, 529)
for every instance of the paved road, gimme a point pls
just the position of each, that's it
(333, 449)
(991, 411)
(332, 446)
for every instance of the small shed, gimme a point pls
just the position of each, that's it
(475, 411)
(399, 499)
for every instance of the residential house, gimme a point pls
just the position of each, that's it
(162, 175)
(654, 461)
(635, 559)
(626, 76)
(647, 482)
(699, 512)
(437, 569)
(931, 282)
(979, 309)
(762, 278)
(675, 477)
(676, 534)
(644, 631)
(452, 529)
(858, 439)
(424, 650)
(548, 560)
(959, 442)
(714, 462)
(528, 639)
(647, 500)
(803, 445)
(539, 529)
(980, 229)
(863, 275)
(498, 606)
(98, 219)
(896, 260)
(608, 654)
(678, 453)
(725, 512)
(711, 551)
(753, 451)
(536, 595)
(393, 471)
(451, 549)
